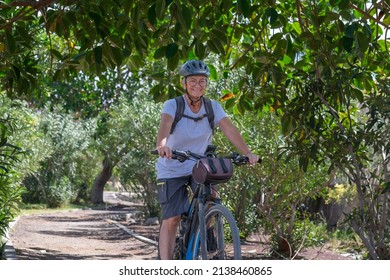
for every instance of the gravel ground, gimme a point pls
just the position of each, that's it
(111, 233)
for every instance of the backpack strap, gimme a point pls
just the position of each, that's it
(180, 112)
(209, 112)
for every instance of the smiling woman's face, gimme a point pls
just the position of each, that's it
(196, 85)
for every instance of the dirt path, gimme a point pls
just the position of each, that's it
(112, 233)
(80, 234)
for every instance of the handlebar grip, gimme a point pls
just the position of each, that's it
(258, 161)
(245, 160)
(174, 153)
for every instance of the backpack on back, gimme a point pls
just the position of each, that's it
(180, 105)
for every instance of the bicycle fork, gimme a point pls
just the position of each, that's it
(202, 229)
(192, 244)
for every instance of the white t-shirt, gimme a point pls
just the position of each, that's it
(189, 135)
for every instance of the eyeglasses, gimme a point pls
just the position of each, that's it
(194, 82)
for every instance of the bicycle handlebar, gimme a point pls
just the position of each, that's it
(181, 156)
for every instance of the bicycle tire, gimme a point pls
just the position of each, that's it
(226, 235)
(178, 252)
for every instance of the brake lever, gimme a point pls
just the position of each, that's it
(241, 160)
(179, 158)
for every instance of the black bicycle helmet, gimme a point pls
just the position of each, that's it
(194, 67)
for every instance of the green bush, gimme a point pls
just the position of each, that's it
(10, 198)
(60, 193)
(266, 196)
(133, 127)
(66, 174)
(10, 154)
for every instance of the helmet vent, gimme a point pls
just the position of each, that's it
(194, 67)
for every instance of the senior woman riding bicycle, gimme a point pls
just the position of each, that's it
(192, 132)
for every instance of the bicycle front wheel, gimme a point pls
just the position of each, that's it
(178, 252)
(223, 239)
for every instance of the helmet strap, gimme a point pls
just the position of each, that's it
(193, 100)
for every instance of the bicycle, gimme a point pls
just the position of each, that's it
(208, 230)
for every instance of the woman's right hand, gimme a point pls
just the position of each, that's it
(164, 151)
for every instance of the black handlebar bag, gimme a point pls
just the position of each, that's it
(212, 170)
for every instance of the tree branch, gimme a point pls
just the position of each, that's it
(299, 14)
(35, 5)
(248, 49)
(32, 4)
(367, 15)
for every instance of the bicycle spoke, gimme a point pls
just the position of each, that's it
(223, 241)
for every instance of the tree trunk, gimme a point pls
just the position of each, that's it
(333, 212)
(101, 180)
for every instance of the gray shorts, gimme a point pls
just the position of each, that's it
(173, 196)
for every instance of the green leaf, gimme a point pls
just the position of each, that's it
(304, 162)
(230, 103)
(363, 41)
(350, 30)
(200, 50)
(135, 62)
(216, 46)
(240, 108)
(171, 92)
(272, 15)
(79, 55)
(287, 125)
(158, 76)
(387, 19)
(212, 47)
(243, 7)
(192, 56)
(220, 35)
(358, 94)
(173, 62)
(177, 31)
(277, 75)
(171, 50)
(277, 36)
(128, 42)
(160, 8)
(187, 14)
(184, 16)
(158, 93)
(287, 59)
(225, 6)
(213, 72)
(343, 4)
(10, 42)
(281, 47)
(263, 57)
(246, 104)
(334, 3)
(117, 55)
(225, 74)
(160, 52)
(152, 17)
(56, 53)
(98, 51)
(57, 75)
(297, 27)
(347, 44)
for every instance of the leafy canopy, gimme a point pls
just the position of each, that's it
(278, 43)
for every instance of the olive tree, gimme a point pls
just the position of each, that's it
(129, 138)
